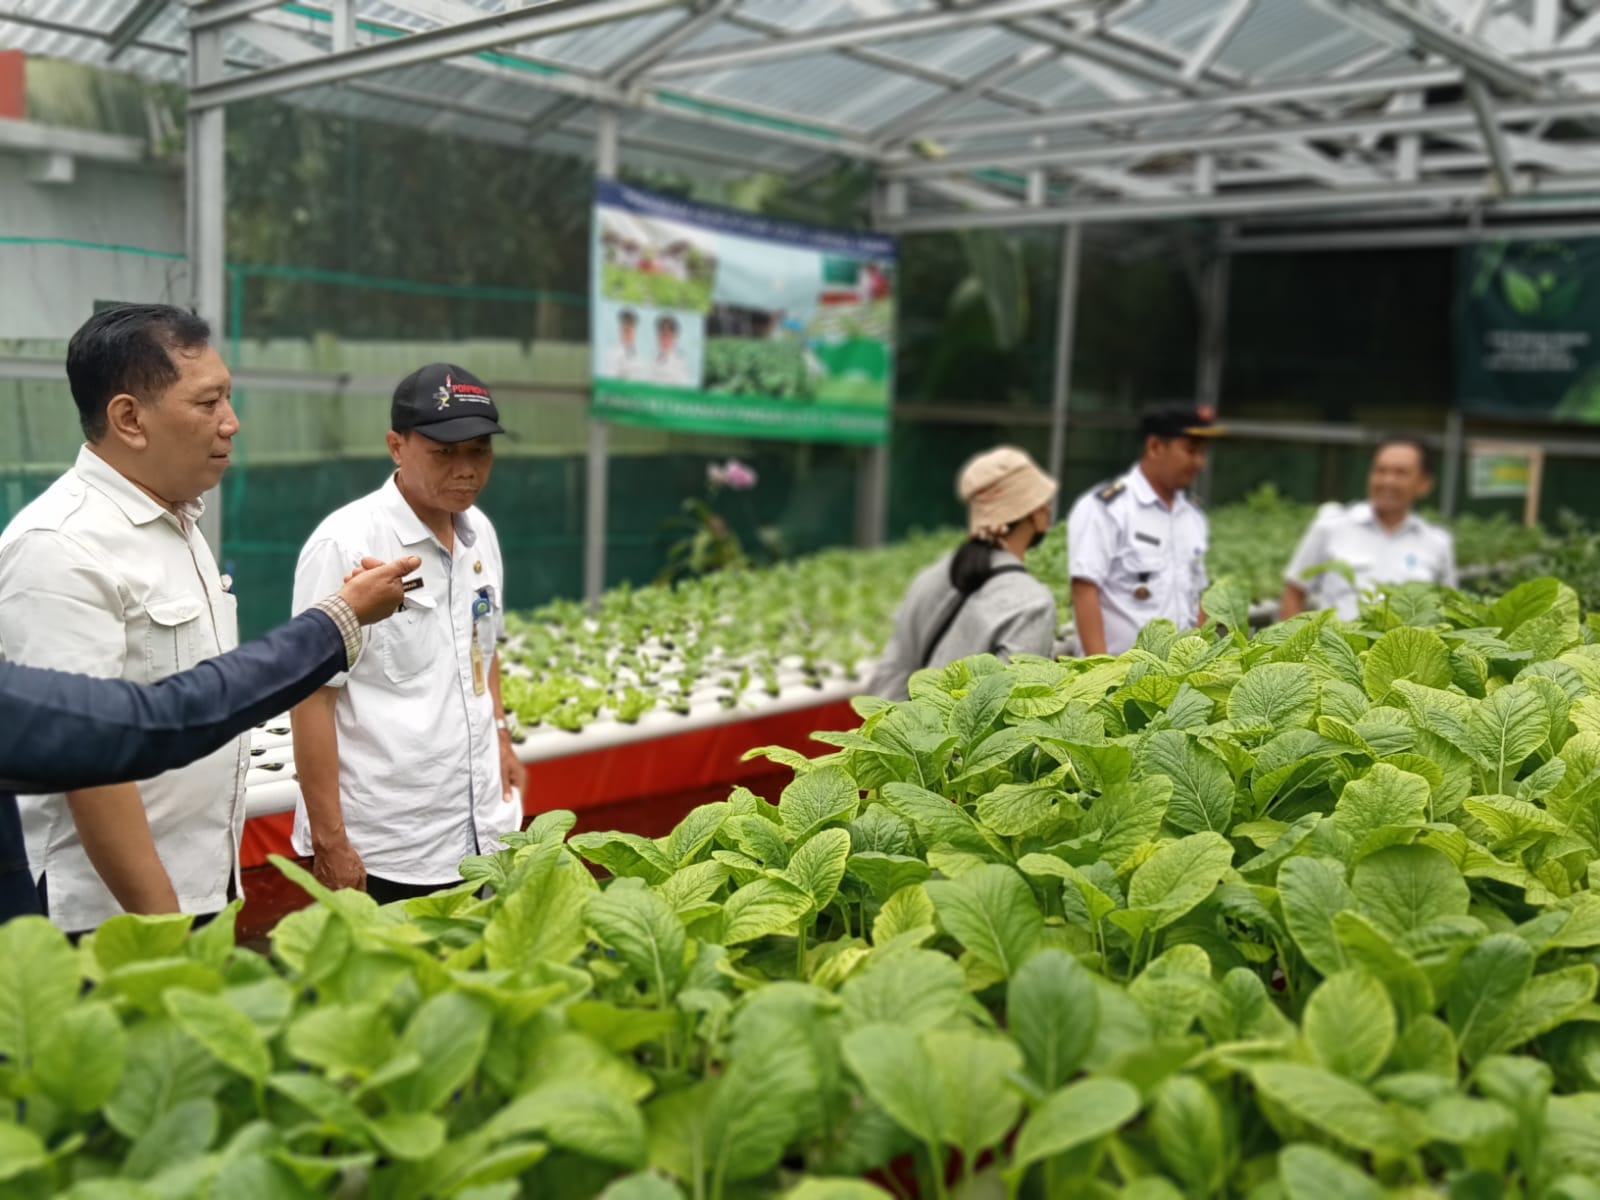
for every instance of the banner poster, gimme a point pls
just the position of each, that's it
(710, 320)
(1528, 329)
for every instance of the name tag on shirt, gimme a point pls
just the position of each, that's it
(483, 641)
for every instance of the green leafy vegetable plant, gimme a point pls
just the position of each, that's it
(1305, 914)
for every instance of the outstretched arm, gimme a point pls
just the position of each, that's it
(61, 731)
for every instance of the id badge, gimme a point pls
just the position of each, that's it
(482, 638)
(483, 621)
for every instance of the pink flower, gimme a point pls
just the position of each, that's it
(731, 474)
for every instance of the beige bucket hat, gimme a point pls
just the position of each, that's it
(1000, 487)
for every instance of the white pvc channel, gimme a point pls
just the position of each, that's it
(271, 787)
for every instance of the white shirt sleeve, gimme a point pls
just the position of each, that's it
(1311, 552)
(1091, 540)
(1448, 563)
(320, 572)
(60, 608)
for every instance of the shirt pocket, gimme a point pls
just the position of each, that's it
(1143, 574)
(406, 642)
(226, 607)
(172, 635)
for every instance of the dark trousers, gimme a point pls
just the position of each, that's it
(387, 891)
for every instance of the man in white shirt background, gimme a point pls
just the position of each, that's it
(1380, 541)
(406, 765)
(106, 574)
(669, 367)
(1137, 545)
(625, 361)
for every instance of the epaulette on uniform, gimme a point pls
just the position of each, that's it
(1111, 491)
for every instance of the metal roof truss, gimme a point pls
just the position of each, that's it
(988, 112)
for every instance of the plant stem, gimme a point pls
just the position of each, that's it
(800, 952)
(937, 1162)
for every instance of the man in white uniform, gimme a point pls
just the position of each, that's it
(406, 765)
(625, 361)
(669, 367)
(1136, 546)
(1380, 541)
(106, 574)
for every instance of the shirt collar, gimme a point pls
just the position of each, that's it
(1363, 513)
(136, 505)
(1145, 493)
(409, 526)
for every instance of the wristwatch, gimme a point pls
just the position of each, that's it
(503, 724)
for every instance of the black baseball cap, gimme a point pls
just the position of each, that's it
(1180, 420)
(444, 403)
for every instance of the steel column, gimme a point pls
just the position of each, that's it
(205, 217)
(1450, 466)
(872, 480)
(1213, 341)
(597, 475)
(1066, 329)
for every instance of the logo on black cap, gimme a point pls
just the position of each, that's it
(430, 401)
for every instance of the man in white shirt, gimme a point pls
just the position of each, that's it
(406, 766)
(1136, 546)
(106, 574)
(625, 362)
(669, 368)
(1379, 541)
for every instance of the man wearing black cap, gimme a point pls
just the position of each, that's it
(405, 764)
(1136, 546)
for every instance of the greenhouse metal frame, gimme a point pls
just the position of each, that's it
(1293, 124)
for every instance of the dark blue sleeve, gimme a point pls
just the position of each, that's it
(60, 732)
(19, 895)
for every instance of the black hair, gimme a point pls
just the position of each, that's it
(666, 324)
(628, 317)
(971, 565)
(127, 349)
(1424, 454)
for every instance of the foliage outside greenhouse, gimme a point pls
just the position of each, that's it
(1305, 915)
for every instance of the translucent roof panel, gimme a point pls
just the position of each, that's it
(992, 107)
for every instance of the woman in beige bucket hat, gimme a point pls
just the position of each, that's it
(979, 599)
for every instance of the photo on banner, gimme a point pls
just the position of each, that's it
(712, 320)
(1528, 329)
